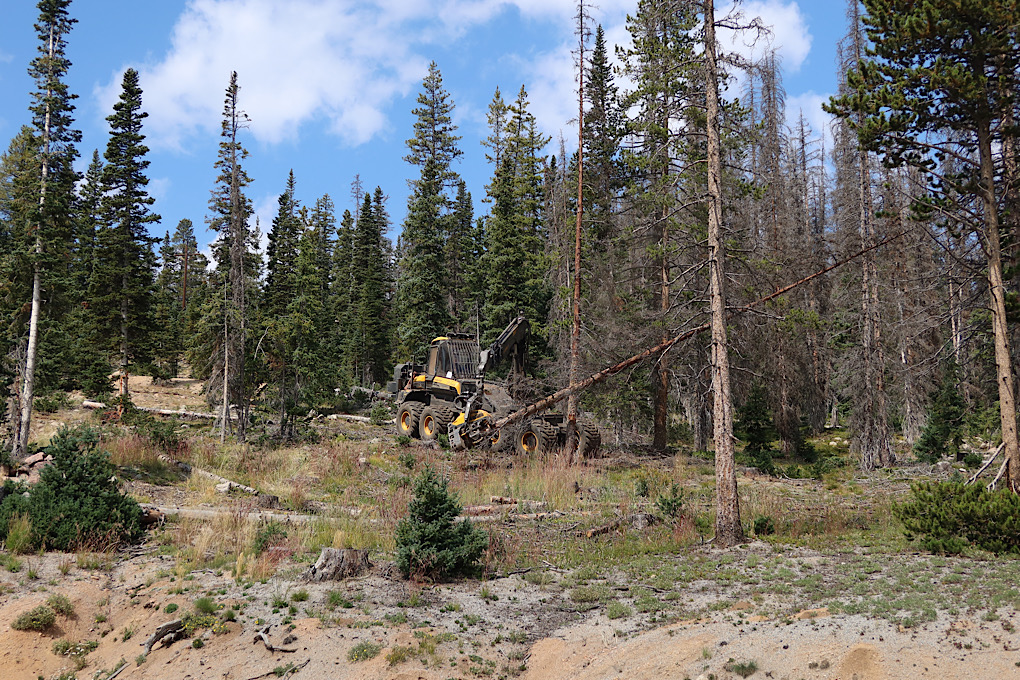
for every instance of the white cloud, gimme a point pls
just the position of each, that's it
(788, 32)
(158, 188)
(295, 60)
(343, 61)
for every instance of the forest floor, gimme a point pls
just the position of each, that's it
(577, 583)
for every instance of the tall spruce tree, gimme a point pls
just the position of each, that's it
(123, 279)
(343, 297)
(515, 231)
(225, 351)
(661, 63)
(51, 226)
(423, 281)
(425, 288)
(435, 137)
(282, 322)
(370, 342)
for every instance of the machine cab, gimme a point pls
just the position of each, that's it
(451, 361)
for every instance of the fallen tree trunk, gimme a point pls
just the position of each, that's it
(159, 411)
(487, 425)
(174, 628)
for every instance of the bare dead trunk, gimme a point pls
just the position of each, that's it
(28, 383)
(728, 530)
(28, 380)
(575, 331)
(996, 290)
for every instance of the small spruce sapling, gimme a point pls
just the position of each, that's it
(431, 544)
(943, 433)
(758, 430)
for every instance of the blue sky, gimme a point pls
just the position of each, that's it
(329, 84)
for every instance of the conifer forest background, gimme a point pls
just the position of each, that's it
(698, 198)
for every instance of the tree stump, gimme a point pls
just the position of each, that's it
(336, 564)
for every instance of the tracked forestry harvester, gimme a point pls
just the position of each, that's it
(451, 395)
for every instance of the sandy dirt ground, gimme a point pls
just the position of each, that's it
(516, 624)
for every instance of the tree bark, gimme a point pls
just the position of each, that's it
(728, 531)
(996, 290)
(28, 383)
(575, 330)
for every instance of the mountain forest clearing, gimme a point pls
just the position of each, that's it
(592, 570)
(795, 454)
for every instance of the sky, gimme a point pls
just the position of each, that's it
(329, 85)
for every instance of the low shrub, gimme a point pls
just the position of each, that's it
(77, 501)
(51, 403)
(431, 544)
(269, 534)
(39, 619)
(205, 605)
(671, 505)
(763, 526)
(163, 434)
(19, 534)
(61, 605)
(363, 651)
(946, 517)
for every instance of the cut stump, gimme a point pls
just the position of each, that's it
(335, 564)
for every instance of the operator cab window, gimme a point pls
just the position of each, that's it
(433, 351)
(444, 362)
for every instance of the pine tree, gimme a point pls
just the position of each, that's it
(661, 63)
(51, 225)
(19, 171)
(943, 433)
(423, 282)
(460, 257)
(426, 285)
(224, 352)
(283, 322)
(434, 132)
(281, 253)
(122, 284)
(343, 300)
(370, 342)
(515, 233)
(88, 218)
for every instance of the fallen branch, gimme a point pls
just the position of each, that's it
(175, 628)
(640, 520)
(292, 669)
(501, 500)
(117, 672)
(263, 636)
(357, 419)
(1002, 470)
(987, 463)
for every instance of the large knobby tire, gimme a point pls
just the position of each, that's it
(407, 418)
(503, 440)
(536, 437)
(435, 420)
(590, 439)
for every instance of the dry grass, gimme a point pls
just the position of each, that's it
(548, 478)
